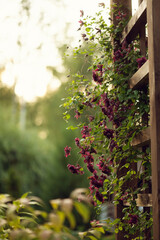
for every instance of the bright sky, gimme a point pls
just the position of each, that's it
(25, 63)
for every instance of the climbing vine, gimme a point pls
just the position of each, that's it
(113, 116)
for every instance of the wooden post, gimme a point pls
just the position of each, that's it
(127, 5)
(145, 118)
(142, 37)
(139, 2)
(153, 16)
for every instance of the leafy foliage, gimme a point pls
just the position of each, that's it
(23, 152)
(114, 116)
(24, 218)
(41, 161)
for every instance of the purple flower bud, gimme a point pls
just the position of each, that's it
(67, 151)
(77, 114)
(81, 23)
(83, 35)
(85, 132)
(91, 118)
(133, 219)
(91, 168)
(108, 133)
(99, 196)
(81, 13)
(77, 142)
(75, 169)
(117, 55)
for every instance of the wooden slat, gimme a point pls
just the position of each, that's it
(142, 139)
(134, 25)
(140, 78)
(143, 200)
(153, 19)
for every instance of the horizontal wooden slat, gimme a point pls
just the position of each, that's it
(135, 24)
(142, 139)
(143, 200)
(140, 78)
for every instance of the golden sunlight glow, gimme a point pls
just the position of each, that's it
(28, 43)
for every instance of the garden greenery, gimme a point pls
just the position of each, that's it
(111, 116)
(114, 115)
(26, 218)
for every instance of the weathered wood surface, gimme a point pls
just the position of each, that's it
(135, 24)
(141, 77)
(140, 1)
(153, 18)
(143, 200)
(142, 139)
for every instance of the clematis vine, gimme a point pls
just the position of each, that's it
(81, 13)
(75, 169)
(113, 117)
(67, 151)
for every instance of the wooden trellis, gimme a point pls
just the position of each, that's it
(147, 14)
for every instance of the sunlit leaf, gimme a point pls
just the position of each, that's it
(72, 220)
(92, 237)
(83, 210)
(100, 229)
(25, 194)
(55, 203)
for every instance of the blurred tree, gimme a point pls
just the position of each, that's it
(29, 163)
(9, 103)
(33, 159)
(46, 116)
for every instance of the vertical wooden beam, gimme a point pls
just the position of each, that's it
(142, 35)
(145, 118)
(139, 2)
(126, 6)
(153, 16)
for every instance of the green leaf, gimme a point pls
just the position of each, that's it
(100, 229)
(25, 194)
(92, 237)
(127, 165)
(71, 220)
(120, 228)
(116, 230)
(71, 128)
(67, 116)
(96, 234)
(88, 29)
(83, 210)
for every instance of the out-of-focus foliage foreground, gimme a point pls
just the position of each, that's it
(20, 219)
(32, 140)
(33, 136)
